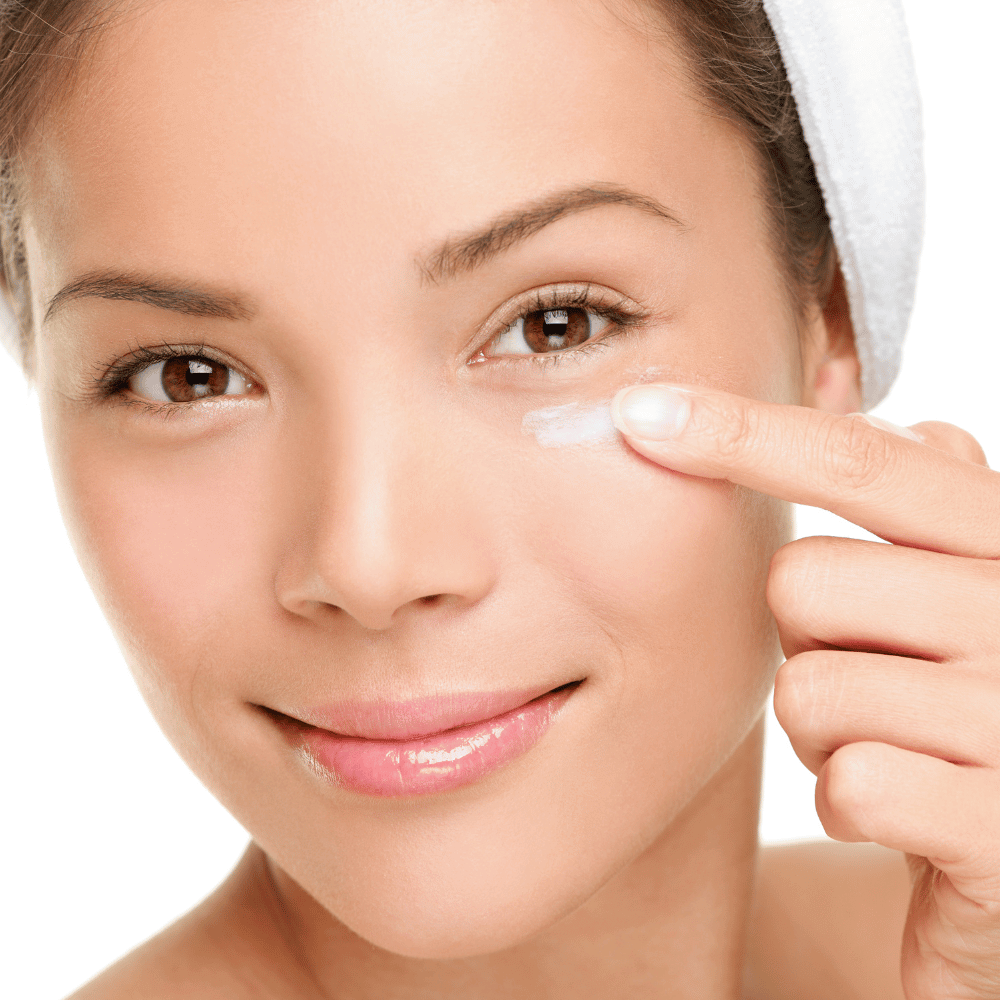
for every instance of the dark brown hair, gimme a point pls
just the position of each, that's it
(732, 56)
(41, 42)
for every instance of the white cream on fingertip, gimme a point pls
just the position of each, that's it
(572, 424)
(887, 425)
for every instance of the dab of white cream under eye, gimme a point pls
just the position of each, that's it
(580, 423)
(572, 424)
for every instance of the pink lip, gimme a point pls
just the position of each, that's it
(429, 744)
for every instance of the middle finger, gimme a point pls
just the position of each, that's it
(852, 594)
(827, 699)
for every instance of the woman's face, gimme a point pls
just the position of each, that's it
(362, 529)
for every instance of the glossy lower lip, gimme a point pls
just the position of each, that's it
(438, 761)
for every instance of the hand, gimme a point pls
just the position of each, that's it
(891, 690)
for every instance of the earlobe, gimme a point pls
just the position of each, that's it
(836, 384)
(833, 372)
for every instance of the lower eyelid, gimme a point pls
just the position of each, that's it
(553, 358)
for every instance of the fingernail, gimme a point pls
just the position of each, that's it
(651, 412)
(892, 428)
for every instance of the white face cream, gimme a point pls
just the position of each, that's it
(572, 424)
(580, 423)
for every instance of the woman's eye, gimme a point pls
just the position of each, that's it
(546, 330)
(186, 379)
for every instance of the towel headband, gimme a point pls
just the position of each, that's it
(851, 70)
(852, 77)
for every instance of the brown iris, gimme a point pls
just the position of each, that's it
(556, 329)
(188, 378)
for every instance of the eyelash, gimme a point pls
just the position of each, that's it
(619, 313)
(112, 381)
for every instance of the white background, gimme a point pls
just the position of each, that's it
(107, 837)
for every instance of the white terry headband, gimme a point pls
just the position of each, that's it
(851, 70)
(852, 76)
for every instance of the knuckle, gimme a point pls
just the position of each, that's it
(806, 690)
(791, 694)
(782, 577)
(799, 577)
(848, 783)
(855, 454)
(734, 427)
(988, 571)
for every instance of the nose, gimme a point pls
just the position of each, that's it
(383, 520)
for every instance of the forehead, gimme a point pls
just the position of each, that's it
(233, 132)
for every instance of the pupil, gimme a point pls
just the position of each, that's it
(198, 373)
(556, 329)
(188, 378)
(555, 322)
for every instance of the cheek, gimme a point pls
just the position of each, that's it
(172, 550)
(674, 570)
(658, 557)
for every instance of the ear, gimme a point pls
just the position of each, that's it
(831, 370)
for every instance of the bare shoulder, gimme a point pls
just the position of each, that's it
(828, 922)
(172, 964)
(226, 947)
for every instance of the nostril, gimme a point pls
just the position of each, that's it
(432, 599)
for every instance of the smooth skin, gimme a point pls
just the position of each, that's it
(283, 188)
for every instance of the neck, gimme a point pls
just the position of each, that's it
(672, 923)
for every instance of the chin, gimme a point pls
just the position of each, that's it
(473, 873)
(490, 914)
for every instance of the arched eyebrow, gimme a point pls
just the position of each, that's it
(462, 254)
(456, 255)
(163, 293)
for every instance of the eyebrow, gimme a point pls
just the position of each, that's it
(456, 255)
(124, 286)
(462, 254)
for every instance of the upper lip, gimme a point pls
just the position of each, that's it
(414, 718)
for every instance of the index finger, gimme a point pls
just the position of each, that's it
(897, 488)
